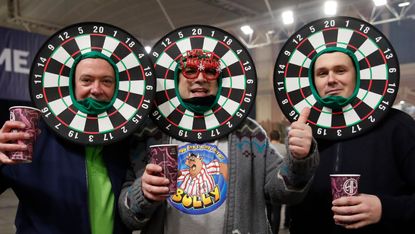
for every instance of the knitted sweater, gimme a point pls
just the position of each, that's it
(257, 174)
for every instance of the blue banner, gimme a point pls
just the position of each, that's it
(17, 50)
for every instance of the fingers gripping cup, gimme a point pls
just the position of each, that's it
(30, 117)
(344, 185)
(166, 157)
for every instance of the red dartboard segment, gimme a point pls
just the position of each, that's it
(237, 92)
(50, 79)
(379, 76)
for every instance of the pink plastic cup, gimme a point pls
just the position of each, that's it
(166, 157)
(30, 117)
(344, 185)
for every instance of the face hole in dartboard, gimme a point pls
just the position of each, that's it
(335, 77)
(198, 79)
(94, 83)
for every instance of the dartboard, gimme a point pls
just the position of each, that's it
(378, 70)
(236, 94)
(50, 83)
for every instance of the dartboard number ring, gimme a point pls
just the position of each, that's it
(237, 90)
(379, 76)
(49, 83)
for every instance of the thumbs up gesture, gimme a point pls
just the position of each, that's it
(300, 136)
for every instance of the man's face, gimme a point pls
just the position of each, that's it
(94, 78)
(198, 87)
(334, 75)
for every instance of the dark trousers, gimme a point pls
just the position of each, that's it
(274, 217)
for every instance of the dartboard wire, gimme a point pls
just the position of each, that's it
(225, 65)
(81, 114)
(364, 56)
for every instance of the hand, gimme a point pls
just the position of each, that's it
(357, 211)
(154, 186)
(223, 169)
(300, 136)
(6, 137)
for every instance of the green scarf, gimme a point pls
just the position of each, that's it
(199, 104)
(92, 106)
(100, 196)
(335, 102)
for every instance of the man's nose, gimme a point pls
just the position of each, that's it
(331, 77)
(96, 88)
(200, 77)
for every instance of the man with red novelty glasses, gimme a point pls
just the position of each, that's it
(224, 186)
(199, 79)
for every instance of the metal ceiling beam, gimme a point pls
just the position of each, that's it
(166, 14)
(14, 16)
(269, 9)
(264, 23)
(233, 7)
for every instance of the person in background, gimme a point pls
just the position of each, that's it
(247, 172)
(274, 211)
(278, 143)
(383, 156)
(68, 188)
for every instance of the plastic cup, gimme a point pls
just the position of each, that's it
(166, 157)
(344, 185)
(30, 117)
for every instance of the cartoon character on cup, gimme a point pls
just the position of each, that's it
(190, 178)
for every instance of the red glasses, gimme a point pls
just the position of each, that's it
(198, 61)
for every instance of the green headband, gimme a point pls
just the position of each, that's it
(89, 105)
(334, 102)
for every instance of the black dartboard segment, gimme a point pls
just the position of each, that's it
(236, 97)
(379, 76)
(49, 83)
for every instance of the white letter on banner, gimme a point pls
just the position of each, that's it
(5, 58)
(19, 59)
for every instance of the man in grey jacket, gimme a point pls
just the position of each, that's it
(223, 185)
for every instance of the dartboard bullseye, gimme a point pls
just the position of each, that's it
(51, 83)
(237, 84)
(377, 76)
